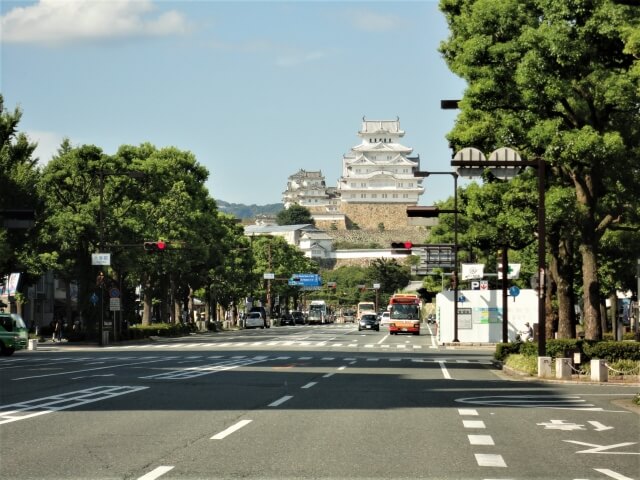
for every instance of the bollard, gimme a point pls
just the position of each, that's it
(563, 368)
(33, 344)
(599, 371)
(544, 366)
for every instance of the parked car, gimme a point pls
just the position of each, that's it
(287, 319)
(368, 321)
(255, 320)
(298, 317)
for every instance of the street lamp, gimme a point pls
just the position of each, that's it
(504, 163)
(425, 212)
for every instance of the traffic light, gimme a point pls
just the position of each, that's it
(154, 247)
(402, 248)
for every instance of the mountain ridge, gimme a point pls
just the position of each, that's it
(245, 212)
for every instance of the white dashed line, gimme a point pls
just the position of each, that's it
(473, 424)
(280, 401)
(231, 429)
(309, 385)
(489, 460)
(480, 440)
(155, 473)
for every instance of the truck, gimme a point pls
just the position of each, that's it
(318, 312)
(365, 307)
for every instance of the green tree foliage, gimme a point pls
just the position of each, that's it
(18, 176)
(391, 276)
(295, 215)
(559, 79)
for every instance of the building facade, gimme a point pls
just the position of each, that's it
(376, 185)
(379, 170)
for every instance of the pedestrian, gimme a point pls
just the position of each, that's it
(56, 327)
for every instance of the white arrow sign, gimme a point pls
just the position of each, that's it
(599, 427)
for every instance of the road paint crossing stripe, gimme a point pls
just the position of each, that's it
(612, 474)
(445, 372)
(468, 411)
(280, 401)
(63, 401)
(473, 424)
(489, 460)
(231, 429)
(156, 472)
(480, 440)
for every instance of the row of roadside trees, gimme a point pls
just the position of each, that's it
(86, 201)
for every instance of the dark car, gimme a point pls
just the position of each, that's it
(298, 317)
(287, 319)
(369, 321)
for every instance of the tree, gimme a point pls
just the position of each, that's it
(19, 175)
(558, 79)
(295, 215)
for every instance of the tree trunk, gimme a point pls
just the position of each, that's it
(561, 269)
(146, 299)
(588, 251)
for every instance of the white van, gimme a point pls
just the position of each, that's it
(254, 320)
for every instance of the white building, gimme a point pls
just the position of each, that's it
(314, 243)
(308, 189)
(379, 169)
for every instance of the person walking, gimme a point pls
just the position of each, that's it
(56, 328)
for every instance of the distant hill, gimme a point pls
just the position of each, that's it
(245, 212)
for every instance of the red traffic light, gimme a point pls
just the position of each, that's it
(153, 247)
(405, 245)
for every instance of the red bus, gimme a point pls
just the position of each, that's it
(404, 310)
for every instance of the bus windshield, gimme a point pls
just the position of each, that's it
(400, 311)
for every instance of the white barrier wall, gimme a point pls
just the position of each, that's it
(480, 315)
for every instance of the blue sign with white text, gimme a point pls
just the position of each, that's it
(305, 280)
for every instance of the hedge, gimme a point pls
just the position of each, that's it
(589, 349)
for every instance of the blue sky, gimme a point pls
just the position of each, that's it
(256, 90)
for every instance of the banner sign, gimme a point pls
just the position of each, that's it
(472, 271)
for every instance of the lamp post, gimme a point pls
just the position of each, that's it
(454, 274)
(501, 161)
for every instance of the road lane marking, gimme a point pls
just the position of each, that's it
(468, 411)
(612, 474)
(489, 460)
(309, 385)
(473, 424)
(155, 473)
(445, 372)
(87, 370)
(327, 375)
(603, 448)
(64, 401)
(480, 440)
(231, 429)
(280, 401)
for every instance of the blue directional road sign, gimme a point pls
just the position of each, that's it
(305, 280)
(514, 291)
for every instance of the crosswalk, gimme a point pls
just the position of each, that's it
(268, 343)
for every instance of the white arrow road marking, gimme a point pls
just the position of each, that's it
(600, 427)
(602, 448)
(560, 425)
(612, 474)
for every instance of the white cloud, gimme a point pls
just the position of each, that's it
(54, 22)
(375, 22)
(48, 144)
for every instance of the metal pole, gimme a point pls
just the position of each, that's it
(101, 326)
(505, 296)
(542, 327)
(455, 257)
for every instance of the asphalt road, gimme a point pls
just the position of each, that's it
(304, 402)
